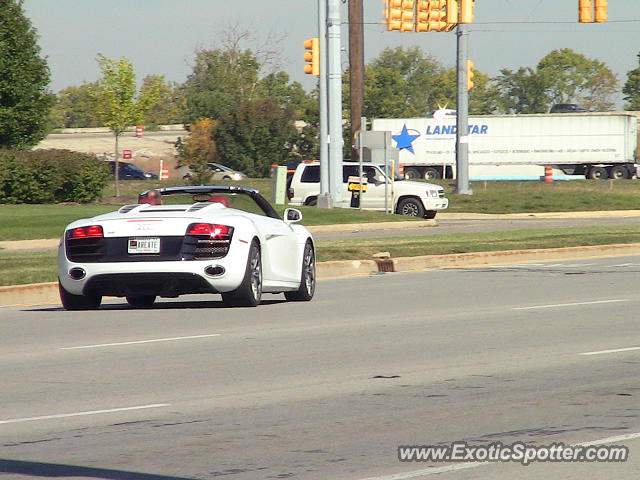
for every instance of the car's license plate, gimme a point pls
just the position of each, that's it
(144, 245)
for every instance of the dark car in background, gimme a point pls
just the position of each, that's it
(130, 171)
(567, 108)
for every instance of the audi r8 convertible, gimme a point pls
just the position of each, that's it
(226, 240)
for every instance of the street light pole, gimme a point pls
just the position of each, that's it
(335, 100)
(324, 198)
(462, 116)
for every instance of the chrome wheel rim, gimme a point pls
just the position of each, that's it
(256, 274)
(410, 210)
(309, 269)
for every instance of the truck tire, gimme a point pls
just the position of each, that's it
(431, 174)
(618, 172)
(598, 173)
(411, 174)
(311, 201)
(411, 207)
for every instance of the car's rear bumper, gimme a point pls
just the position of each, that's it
(163, 278)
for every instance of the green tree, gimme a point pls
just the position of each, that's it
(76, 107)
(256, 134)
(522, 91)
(120, 105)
(24, 99)
(169, 108)
(219, 80)
(198, 149)
(572, 77)
(631, 89)
(562, 76)
(402, 83)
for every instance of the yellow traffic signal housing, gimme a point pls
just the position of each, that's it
(431, 16)
(466, 11)
(400, 15)
(601, 11)
(584, 11)
(312, 56)
(452, 12)
(469, 74)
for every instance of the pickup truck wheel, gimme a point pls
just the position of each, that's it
(411, 174)
(429, 214)
(411, 207)
(431, 174)
(311, 201)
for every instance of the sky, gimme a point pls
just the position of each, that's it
(161, 36)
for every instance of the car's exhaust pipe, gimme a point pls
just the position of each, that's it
(77, 273)
(214, 270)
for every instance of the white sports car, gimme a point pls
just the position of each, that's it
(230, 241)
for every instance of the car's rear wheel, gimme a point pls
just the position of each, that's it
(141, 301)
(249, 293)
(307, 279)
(78, 302)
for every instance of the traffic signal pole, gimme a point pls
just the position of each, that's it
(324, 198)
(462, 120)
(334, 92)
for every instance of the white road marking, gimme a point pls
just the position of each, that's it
(556, 305)
(138, 342)
(465, 466)
(80, 414)
(615, 350)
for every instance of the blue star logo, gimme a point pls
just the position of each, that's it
(405, 139)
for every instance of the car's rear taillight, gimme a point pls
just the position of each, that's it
(92, 231)
(85, 244)
(290, 193)
(212, 240)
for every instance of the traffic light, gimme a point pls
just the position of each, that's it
(584, 11)
(312, 56)
(400, 15)
(469, 74)
(601, 11)
(466, 11)
(431, 16)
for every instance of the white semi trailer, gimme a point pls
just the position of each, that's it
(518, 147)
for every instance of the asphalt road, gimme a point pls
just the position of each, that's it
(484, 225)
(330, 389)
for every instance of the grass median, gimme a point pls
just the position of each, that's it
(36, 267)
(20, 222)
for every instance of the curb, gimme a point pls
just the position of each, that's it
(47, 293)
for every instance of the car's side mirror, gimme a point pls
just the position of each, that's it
(292, 215)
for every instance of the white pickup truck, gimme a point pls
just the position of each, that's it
(414, 199)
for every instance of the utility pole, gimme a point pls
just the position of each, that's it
(334, 92)
(356, 70)
(324, 198)
(462, 116)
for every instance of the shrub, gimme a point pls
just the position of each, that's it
(51, 176)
